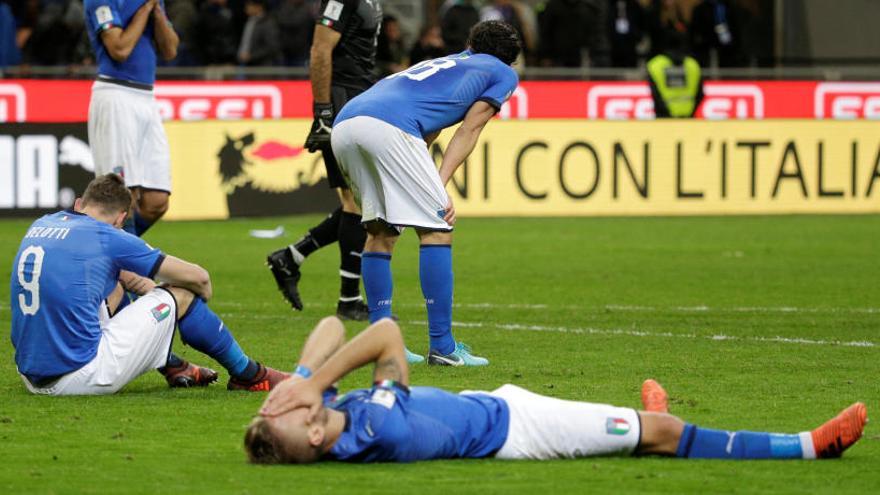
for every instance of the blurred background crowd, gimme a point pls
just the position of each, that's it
(556, 33)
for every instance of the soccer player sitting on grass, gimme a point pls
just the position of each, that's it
(67, 280)
(393, 422)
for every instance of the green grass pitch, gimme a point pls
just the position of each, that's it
(763, 323)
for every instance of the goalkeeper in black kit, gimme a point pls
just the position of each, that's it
(343, 57)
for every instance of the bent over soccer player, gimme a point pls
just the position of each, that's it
(381, 141)
(393, 422)
(66, 339)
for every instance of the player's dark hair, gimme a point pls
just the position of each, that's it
(260, 444)
(496, 38)
(264, 447)
(109, 192)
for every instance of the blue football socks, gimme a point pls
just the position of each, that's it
(204, 331)
(135, 224)
(141, 225)
(435, 274)
(376, 274)
(704, 443)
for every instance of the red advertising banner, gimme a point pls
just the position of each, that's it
(68, 101)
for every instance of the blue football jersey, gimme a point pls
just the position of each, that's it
(393, 424)
(66, 265)
(101, 15)
(435, 94)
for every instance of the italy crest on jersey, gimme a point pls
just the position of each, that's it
(161, 312)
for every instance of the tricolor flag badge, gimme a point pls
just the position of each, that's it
(616, 426)
(161, 312)
(327, 22)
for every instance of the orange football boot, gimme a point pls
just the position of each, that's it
(840, 432)
(188, 375)
(264, 381)
(654, 398)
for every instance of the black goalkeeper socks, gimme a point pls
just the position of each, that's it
(326, 232)
(352, 237)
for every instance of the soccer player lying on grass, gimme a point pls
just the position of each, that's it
(393, 422)
(67, 280)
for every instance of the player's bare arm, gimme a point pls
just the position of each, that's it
(136, 284)
(165, 36)
(327, 337)
(120, 42)
(461, 145)
(465, 138)
(380, 343)
(321, 75)
(321, 64)
(186, 275)
(130, 282)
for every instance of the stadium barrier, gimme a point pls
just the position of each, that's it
(68, 100)
(225, 169)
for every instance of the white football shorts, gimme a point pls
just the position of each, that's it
(548, 428)
(126, 136)
(391, 174)
(134, 341)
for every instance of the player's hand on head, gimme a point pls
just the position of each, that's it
(319, 135)
(292, 394)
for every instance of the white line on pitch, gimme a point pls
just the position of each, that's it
(644, 333)
(610, 307)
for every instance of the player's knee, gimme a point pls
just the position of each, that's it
(434, 237)
(184, 299)
(660, 433)
(349, 205)
(153, 205)
(380, 237)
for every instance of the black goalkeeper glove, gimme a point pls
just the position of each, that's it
(319, 136)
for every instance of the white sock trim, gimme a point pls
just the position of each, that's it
(807, 448)
(350, 299)
(298, 257)
(343, 273)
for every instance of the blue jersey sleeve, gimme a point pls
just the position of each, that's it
(102, 15)
(133, 254)
(502, 86)
(376, 426)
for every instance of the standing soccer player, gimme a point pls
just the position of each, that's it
(125, 130)
(381, 140)
(342, 60)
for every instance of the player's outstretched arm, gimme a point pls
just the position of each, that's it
(120, 42)
(165, 36)
(465, 138)
(380, 343)
(186, 275)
